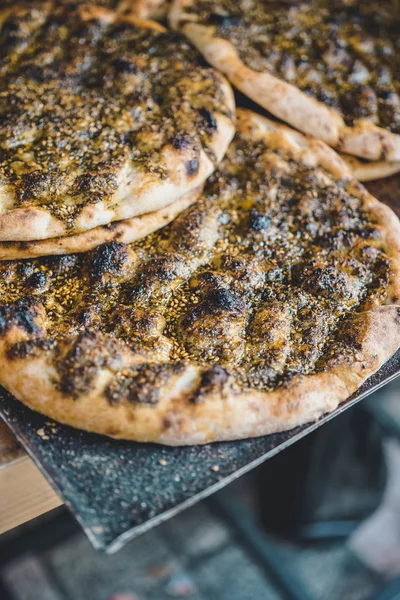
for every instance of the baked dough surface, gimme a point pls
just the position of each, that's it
(260, 308)
(103, 117)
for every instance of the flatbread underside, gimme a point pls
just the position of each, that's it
(222, 412)
(138, 190)
(284, 100)
(126, 231)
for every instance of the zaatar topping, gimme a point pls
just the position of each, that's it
(257, 281)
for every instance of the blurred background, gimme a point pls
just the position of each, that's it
(319, 521)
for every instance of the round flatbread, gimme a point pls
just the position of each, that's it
(102, 118)
(259, 308)
(330, 69)
(126, 231)
(366, 170)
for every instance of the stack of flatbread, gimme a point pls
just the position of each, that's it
(97, 126)
(221, 272)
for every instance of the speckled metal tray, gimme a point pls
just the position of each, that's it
(117, 490)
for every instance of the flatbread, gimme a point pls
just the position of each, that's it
(366, 170)
(97, 122)
(126, 231)
(259, 308)
(330, 69)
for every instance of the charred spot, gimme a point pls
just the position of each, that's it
(54, 21)
(36, 280)
(182, 141)
(108, 258)
(359, 102)
(214, 375)
(83, 342)
(32, 185)
(101, 181)
(211, 380)
(351, 340)
(124, 66)
(258, 221)
(206, 280)
(23, 245)
(29, 347)
(388, 95)
(154, 278)
(21, 314)
(61, 264)
(9, 27)
(141, 325)
(84, 317)
(11, 32)
(192, 167)
(224, 21)
(210, 122)
(35, 72)
(112, 226)
(214, 319)
(223, 299)
(381, 265)
(85, 183)
(162, 269)
(146, 384)
(317, 279)
(286, 181)
(324, 95)
(24, 268)
(140, 384)
(88, 354)
(368, 232)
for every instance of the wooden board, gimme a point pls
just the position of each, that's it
(10, 450)
(24, 492)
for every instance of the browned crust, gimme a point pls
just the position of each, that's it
(126, 231)
(223, 413)
(370, 170)
(389, 225)
(143, 192)
(308, 150)
(285, 100)
(219, 416)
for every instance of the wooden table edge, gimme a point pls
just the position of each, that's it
(24, 492)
